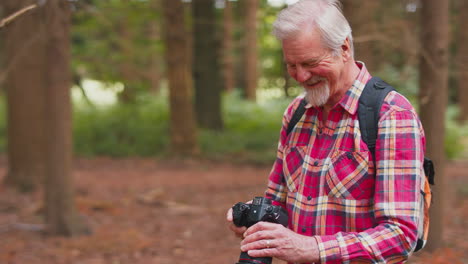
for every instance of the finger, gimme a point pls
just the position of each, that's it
(261, 226)
(260, 235)
(260, 253)
(229, 215)
(259, 245)
(238, 231)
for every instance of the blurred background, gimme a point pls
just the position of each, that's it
(129, 127)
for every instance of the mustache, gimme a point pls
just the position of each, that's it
(313, 80)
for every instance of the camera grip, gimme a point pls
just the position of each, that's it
(238, 211)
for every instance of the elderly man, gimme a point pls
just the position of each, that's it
(343, 206)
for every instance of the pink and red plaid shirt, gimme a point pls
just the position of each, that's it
(358, 210)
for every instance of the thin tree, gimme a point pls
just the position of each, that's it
(153, 73)
(433, 99)
(206, 65)
(462, 61)
(126, 67)
(24, 73)
(228, 46)
(251, 53)
(60, 212)
(182, 119)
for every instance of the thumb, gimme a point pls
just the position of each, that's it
(229, 215)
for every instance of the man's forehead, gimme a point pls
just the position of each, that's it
(304, 48)
(309, 57)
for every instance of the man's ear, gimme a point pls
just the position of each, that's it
(346, 50)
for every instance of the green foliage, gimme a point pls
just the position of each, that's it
(271, 58)
(456, 135)
(251, 133)
(117, 41)
(141, 129)
(404, 80)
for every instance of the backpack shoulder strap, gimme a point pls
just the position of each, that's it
(370, 103)
(300, 110)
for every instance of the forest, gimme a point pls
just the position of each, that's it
(129, 127)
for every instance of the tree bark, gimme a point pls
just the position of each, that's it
(462, 61)
(182, 119)
(433, 99)
(206, 66)
(153, 73)
(2, 55)
(251, 53)
(228, 47)
(61, 215)
(361, 16)
(126, 67)
(24, 69)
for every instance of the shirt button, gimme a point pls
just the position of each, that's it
(316, 163)
(304, 230)
(349, 155)
(309, 197)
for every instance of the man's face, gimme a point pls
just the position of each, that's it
(313, 66)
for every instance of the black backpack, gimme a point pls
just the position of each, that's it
(370, 103)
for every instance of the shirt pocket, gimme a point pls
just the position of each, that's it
(347, 176)
(294, 161)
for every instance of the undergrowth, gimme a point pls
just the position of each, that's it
(250, 134)
(141, 129)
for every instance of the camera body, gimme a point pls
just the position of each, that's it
(260, 210)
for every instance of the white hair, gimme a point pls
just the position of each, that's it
(325, 15)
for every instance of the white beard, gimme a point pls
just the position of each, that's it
(318, 96)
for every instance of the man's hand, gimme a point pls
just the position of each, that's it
(274, 240)
(238, 231)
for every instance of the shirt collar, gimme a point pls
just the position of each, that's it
(350, 100)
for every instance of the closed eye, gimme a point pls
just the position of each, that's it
(310, 64)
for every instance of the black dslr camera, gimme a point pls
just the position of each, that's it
(259, 210)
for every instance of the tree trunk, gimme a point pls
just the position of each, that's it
(251, 56)
(462, 61)
(2, 55)
(206, 66)
(25, 58)
(433, 102)
(228, 47)
(182, 122)
(61, 216)
(126, 66)
(153, 73)
(361, 16)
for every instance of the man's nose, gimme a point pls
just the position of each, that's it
(302, 75)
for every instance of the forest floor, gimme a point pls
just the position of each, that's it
(169, 212)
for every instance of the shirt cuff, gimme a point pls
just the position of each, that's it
(329, 249)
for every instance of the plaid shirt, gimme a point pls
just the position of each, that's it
(326, 178)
